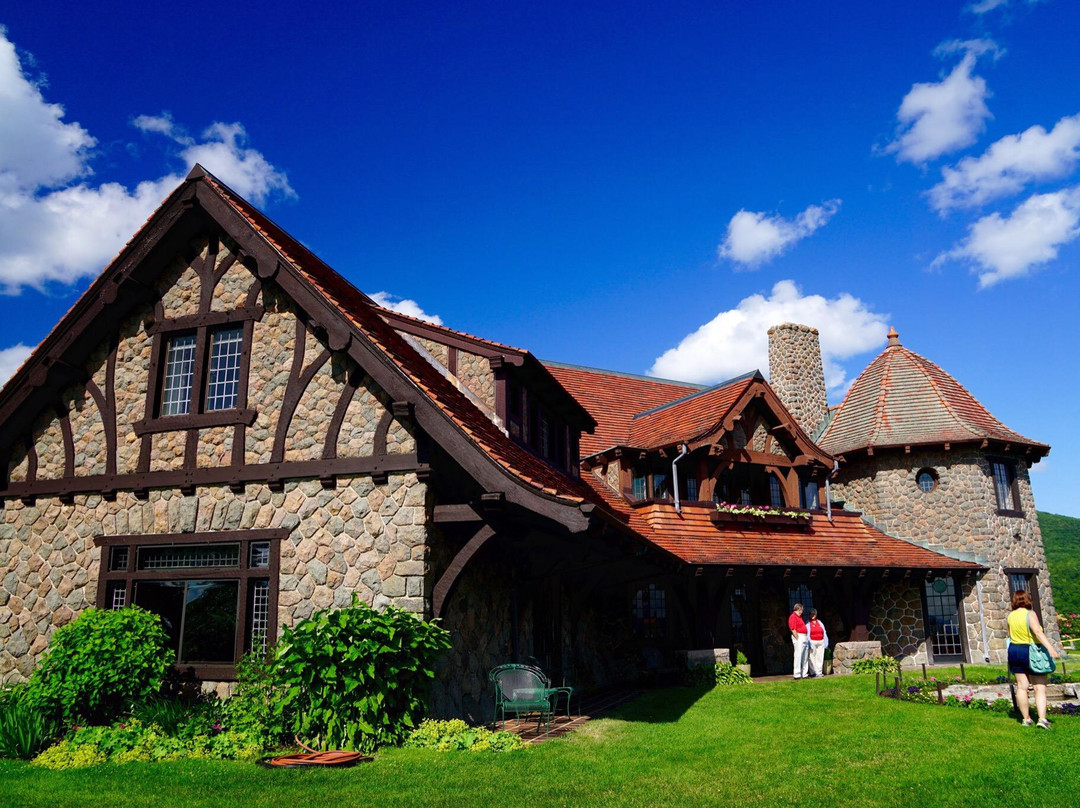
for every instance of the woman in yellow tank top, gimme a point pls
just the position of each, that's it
(1025, 629)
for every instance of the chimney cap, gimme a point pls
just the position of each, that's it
(894, 338)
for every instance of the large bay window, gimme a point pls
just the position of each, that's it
(216, 593)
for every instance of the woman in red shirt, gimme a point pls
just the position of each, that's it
(798, 640)
(819, 641)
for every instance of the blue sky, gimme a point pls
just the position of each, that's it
(645, 187)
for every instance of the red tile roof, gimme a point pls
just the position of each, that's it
(613, 398)
(903, 399)
(365, 315)
(688, 418)
(847, 541)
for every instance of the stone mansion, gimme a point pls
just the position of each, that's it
(225, 431)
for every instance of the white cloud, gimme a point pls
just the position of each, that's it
(404, 305)
(56, 226)
(1010, 164)
(736, 341)
(940, 117)
(986, 6)
(754, 238)
(1009, 247)
(223, 152)
(11, 359)
(36, 147)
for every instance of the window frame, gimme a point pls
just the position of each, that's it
(935, 480)
(1009, 464)
(244, 574)
(204, 326)
(1032, 576)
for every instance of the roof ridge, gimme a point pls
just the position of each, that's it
(442, 327)
(623, 374)
(883, 395)
(714, 388)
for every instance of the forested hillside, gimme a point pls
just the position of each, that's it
(1061, 537)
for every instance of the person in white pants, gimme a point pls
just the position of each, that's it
(799, 641)
(819, 641)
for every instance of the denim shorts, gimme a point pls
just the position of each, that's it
(1018, 658)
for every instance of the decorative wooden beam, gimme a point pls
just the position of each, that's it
(441, 593)
(444, 514)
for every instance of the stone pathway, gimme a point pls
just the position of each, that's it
(588, 709)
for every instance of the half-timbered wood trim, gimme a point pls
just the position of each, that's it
(190, 322)
(206, 273)
(441, 593)
(294, 391)
(31, 460)
(69, 443)
(333, 431)
(219, 475)
(219, 273)
(204, 420)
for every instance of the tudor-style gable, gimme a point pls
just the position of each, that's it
(741, 445)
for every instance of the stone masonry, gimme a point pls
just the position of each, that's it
(796, 373)
(355, 537)
(959, 515)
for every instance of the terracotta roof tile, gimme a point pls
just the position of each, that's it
(903, 399)
(688, 418)
(613, 399)
(847, 541)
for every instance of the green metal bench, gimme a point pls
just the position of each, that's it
(523, 690)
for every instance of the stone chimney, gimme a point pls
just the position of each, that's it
(796, 373)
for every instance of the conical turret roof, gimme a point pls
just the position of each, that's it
(904, 399)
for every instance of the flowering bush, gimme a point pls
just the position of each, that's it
(759, 510)
(1070, 626)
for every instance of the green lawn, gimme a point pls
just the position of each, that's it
(814, 743)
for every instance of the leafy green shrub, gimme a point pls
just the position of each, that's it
(740, 658)
(134, 742)
(356, 678)
(720, 674)
(883, 664)
(446, 736)
(166, 714)
(100, 664)
(24, 729)
(255, 706)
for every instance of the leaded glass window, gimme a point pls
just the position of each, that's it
(649, 610)
(1004, 476)
(943, 618)
(179, 373)
(223, 379)
(776, 493)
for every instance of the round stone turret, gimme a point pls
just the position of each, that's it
(796, 373)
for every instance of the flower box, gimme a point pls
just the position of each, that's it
(799, 521)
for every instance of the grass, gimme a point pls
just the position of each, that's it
(784, 743)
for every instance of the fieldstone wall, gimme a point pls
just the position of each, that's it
(796, 373)
(475, 373)
(960, 516)
(356, 537)
(480, 621)
(896, 621)
(845, 654)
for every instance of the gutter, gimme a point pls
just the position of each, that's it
(675, 477)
